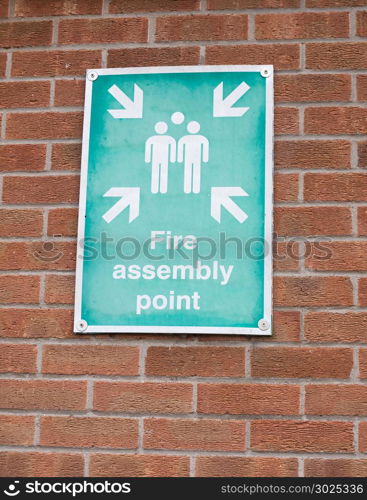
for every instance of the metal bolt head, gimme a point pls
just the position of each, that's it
(263, 324)
(265, 72)
(81, 325)
(92, 75)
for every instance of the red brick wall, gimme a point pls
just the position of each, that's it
(294, 404)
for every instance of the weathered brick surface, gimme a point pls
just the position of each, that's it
(89, 432)
(43, 394)
(246, 467)
(180, 405)
(40, 464)
(187, 434)
(313, 436)
(149, 397)
(108, 465)
(254, 399)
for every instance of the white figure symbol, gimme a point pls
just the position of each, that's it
(159, 151)
(192, 150)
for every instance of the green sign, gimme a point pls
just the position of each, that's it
(175, 216)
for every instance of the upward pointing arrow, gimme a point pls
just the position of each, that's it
(133, 109)
(221, 197)
(129, 197)
(223, 107)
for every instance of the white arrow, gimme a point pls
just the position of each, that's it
(221, 197)
(223, 107)
(133, 109)
(129, 197)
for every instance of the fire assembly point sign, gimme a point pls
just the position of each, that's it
(175, 215)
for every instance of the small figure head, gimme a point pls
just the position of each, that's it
(193, 127)
(161, 127)
(177, 117)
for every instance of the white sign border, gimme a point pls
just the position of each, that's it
(80, 326)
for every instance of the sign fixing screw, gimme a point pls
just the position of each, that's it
(81, 325)
(265, 72)
(92, 75)
(263, 324)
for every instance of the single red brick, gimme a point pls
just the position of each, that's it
(18, 358)
(47, 125)
(69, 93)
(127, 6)
(89, 432)
(227, 466)
(362, 23)
(312, 154)
(286, 187)
(335, 186)
(302, 362)
(22, 157)
(142, 397)
(341, 55)
(338, 256)
(336, 400)
(36, 464)
(43, 394)
(195, 361)
(362, 154)
(336, 120)
(102, 465)
(339, 467)
(304, 88)
(19, 289)
(363, 363)
(190, 434)
(66, 156)
(62, 221)
(362, 292)
(286, 256)
(153, 56)
(16, 430)
(91, 360)
(313, 291)
(336, 327)
(302, 436)
(284, 56)
(59, 289)
(103, 30)
(41, 189)
(4, 8)
(24, 94)
(363, 437)
(39, 8)
(22, 34)
(37, 255)
(55, 62)
(252, 4)
(286, 121)
(335, 3)
(36, 323)
(362, 87)
(313, 221)
(248, 399)
(286, 326)
(20, 223)
(3, 58)
(302, 25)
(202, 27)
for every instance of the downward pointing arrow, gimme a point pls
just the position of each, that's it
(133, 109)
(129, 197)
(221, 197)
(223, 107)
